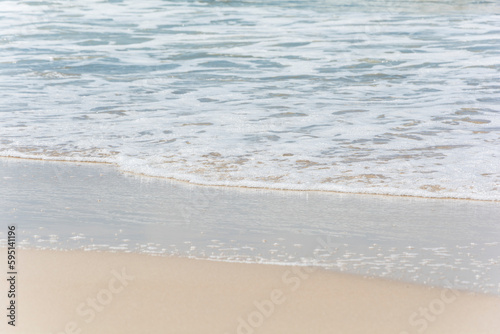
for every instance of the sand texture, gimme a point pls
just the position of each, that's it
(92, 292)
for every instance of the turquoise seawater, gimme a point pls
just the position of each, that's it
(387, 97)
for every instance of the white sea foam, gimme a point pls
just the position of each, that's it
(373, 97)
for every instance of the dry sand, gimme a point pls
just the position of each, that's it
(92, 292)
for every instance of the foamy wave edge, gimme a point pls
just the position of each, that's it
(196, 180)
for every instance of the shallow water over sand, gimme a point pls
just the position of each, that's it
(452, 243)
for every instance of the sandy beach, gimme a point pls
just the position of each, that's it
(92, 292)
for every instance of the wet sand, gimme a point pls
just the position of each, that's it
(447, 243)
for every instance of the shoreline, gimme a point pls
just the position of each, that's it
(94, 207)
(242, 186)
(91, 292)
(304, 267)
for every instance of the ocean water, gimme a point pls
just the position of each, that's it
(385, 97)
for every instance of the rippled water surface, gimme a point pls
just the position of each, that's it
(360, 96)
